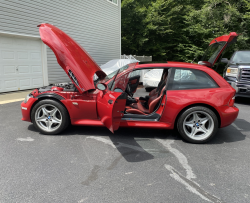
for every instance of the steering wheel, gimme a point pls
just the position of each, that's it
(128, 91)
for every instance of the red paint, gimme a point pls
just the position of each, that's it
(110, 107)
(26, 109)
(105, 108)
(225, 38)
(71, 56)
(56, 89)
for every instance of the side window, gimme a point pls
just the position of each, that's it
(191, 79)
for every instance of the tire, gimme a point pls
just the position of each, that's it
(50, 117)
(197, 124)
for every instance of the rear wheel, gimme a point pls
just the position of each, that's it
(197, 124)
(50, 117)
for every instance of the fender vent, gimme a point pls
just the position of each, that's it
(73, 77)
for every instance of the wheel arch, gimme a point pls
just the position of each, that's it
(198, 104)
(54, 98)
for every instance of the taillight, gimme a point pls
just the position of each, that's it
(231, 102)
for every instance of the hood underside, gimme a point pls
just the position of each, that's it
(75, 61)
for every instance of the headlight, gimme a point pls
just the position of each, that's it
(28, 97)
(232, 72)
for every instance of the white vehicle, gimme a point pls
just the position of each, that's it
(151, 79)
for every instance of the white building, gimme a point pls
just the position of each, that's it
(26, 63)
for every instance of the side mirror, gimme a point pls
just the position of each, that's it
(101, 86)
(224, 60)
(205, 63)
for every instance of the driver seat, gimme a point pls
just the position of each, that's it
(138, 108)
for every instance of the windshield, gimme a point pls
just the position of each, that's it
(241, 57)
(120, 78)
(111, 75)
(212, 52)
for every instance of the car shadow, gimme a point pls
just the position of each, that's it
(134, 144)
(231, 133)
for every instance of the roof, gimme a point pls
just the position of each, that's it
(151, 62)
(170, 64)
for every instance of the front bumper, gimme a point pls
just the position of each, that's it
(242, 90)
(26, 109)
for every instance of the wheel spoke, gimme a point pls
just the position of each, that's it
(55, 120)
(49, 124)
(203, 121)
(193, 132)
(45, 111)
(53, 112)
(189, 123)
(42, 118)
(196, 117)
(203, 129)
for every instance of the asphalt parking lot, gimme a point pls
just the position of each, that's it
(90, 164)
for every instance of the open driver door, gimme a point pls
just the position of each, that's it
(111, 100)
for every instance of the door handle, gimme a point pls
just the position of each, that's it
(110, 101)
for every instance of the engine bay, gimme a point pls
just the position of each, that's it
(66, 87)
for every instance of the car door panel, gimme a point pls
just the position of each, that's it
(110, 108)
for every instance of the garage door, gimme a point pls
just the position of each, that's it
(20, 63)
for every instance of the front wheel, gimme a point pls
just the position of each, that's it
(197, 124)
(49, 117)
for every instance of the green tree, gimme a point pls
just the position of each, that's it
(181, 30)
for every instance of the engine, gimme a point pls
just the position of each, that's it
(66, 87)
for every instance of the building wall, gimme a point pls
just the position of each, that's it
(94, 24)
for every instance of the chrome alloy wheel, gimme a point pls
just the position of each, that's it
(198, 125)
(48, 117)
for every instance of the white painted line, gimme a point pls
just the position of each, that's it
(181, 157)
(82, 200)
(28, 139)
(12, 100)
(128, 173)
(234, 125)
(180, 180)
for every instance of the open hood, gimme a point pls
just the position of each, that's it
(75, 61)
(216, 47)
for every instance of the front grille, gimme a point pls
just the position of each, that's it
(245, 74)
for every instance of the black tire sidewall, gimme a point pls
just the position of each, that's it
(190, 110)
(61, 108)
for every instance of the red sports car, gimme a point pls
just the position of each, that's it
(190, 97)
